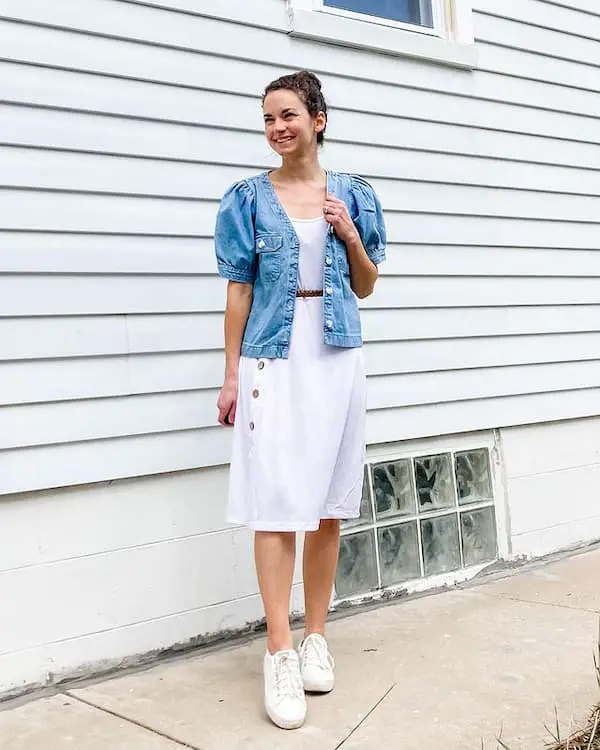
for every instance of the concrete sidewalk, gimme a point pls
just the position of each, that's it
(443, 672)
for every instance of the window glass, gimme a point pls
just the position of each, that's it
(418, 12)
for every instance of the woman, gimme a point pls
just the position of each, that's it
(298, 245)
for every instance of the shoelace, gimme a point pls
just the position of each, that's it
(317, 654)
(287, 677)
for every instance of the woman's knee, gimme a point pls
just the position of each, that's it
(329, 527)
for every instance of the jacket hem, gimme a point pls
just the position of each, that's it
(281, 351)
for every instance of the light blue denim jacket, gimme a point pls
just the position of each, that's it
(256, 244)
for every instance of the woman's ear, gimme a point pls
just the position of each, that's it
(320, 122)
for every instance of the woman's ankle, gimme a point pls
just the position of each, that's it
(279, 642)
(314, 630)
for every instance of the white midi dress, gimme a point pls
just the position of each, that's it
(299, 434)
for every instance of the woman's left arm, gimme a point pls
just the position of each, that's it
(363, 272)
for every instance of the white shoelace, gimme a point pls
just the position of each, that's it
(287, 677)
(316, 653)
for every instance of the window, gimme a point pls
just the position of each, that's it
(444, 30)
(419, 517)
(416, 12)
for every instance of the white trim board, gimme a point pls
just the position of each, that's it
(458, 50)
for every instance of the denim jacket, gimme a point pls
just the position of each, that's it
(256, 243)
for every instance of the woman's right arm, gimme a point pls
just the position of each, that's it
(237, 310)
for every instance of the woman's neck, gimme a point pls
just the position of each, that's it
(303, 169)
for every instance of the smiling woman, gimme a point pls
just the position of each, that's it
(306, 95)
(298, 246)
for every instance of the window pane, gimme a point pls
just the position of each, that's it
(357, 568)
(441, 552)
(473, 476)
(435, 488)
(418, 12)
(394, 491)
(399, 553)
(479, 536)
(366, 509)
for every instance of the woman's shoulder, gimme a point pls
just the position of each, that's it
(240, 194)
(353, 182)
(248, 187)
(240, 188)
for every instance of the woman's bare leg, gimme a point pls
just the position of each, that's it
(275, 554)
(321, 551)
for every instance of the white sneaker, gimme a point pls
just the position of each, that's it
(285, 702)
(316, 665)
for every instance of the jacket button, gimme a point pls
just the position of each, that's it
(330, 324)
(261, 365)
(328, 290)
(328, 260)
(255, 393)
(261, 244)
(251, 425)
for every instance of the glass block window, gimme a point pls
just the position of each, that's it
(420, 517)
(416, 12)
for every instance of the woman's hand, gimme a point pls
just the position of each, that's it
(337, 214)
(363, 272)
(227, 402)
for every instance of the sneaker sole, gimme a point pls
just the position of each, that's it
(325, 686)
(282, 724)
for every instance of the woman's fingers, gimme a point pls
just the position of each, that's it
(333, 208)
(227, 410)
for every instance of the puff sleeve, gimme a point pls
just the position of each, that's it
(234, 235)
(368, 218)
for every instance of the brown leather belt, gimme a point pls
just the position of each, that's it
(309, 292)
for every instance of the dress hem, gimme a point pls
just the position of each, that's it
(289, 527)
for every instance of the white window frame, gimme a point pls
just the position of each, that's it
(450, 42)
(437, 9)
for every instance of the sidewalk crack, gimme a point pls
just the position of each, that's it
(525, 600)
(366, 716)
(129, 720)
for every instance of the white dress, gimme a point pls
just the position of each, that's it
(299, 435)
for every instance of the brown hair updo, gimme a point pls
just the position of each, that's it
(308, 87)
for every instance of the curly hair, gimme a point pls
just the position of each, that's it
(308, 87)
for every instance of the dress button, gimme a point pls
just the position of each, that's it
(255, 393)
(261, 244)
(251, 425)
(261, 365)
(328, 290)
(328, 260)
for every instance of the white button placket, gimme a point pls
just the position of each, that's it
(256, 395)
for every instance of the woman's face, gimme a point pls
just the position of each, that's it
(289, 128)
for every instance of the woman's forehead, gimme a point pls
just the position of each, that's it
(277, 101)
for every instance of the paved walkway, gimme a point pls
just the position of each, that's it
(444, 672)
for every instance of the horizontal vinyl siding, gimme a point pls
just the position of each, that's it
(122, 123)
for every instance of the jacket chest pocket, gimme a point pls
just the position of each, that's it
(268, 251)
